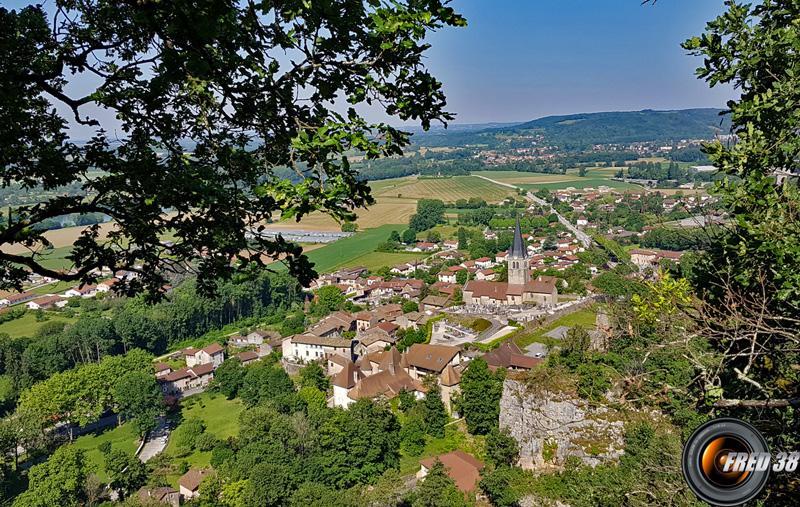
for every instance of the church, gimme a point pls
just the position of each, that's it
(520, 289)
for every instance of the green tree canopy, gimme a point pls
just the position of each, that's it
(206, 78)
(139, 398)
(58, 481)
(480, 397)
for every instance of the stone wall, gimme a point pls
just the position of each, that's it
(550, 427)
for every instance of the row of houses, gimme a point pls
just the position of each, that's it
(34, 301)
(650, 258)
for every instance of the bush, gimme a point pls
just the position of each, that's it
(206, 442)
(593, 381)
(186, 435)
(221, 453)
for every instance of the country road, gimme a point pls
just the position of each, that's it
(584, 238)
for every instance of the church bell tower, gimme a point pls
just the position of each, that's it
(518, 269)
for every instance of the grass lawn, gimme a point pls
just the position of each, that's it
(455, 437)
(27, 324)
(585, 318)
(122, 438)
(221, 417)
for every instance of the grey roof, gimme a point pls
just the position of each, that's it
(518, 248)
(558, 333)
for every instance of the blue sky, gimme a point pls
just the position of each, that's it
(523, 59)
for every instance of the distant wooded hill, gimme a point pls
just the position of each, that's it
(578, 131)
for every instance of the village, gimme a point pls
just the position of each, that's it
(403, 335)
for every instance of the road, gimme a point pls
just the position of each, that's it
(156, 441)
(584, 238)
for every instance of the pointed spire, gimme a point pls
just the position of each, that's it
(518, 249)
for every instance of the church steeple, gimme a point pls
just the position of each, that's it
(518, 249)
(518, 270)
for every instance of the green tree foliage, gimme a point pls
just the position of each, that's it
(433, 411)
(58, 481)
(270, 485)
(498, 485)
(501, 448)
(407, 400)
(265, 382)
(229, 377)
(83, 394)
(235, 108)
(410, 306)
(359, 444)
(186, 435)
(125, 471)
(430, 212)
(329, 299)
(312, 375)
(463, 243)
(615, 285)
(349, 226)
(412, 435)
(480, 397)
(409, 236)
(438, 490)
(139, 399)
(312, 494)
(749, 278)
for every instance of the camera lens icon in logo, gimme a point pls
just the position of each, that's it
(715, 456)
(719, 462)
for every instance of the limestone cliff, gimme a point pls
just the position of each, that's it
(552, 426)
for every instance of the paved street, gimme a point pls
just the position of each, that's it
(584, 238)
(156, 441)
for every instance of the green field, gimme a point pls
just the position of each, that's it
(123, 438)
(343, 252)
(53, 288)
(27, 324)
(376, 260)
(447, 189)
(57, 258)
(581, 183)
(221, 417)
(585, 318)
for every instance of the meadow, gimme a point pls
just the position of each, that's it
(221, 418)
(585, 318)
(122, 438)
(346, 251)
(27, 325)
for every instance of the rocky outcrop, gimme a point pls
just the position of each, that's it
(551, 426)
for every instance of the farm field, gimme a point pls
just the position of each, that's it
(580, 183)
(376, 260)
(446, 189)
(521, 177)
(385, 209)
(61, 237)
(27, 324)
(343, 252)
(122, 438)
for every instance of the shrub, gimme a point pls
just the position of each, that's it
(206, 442)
